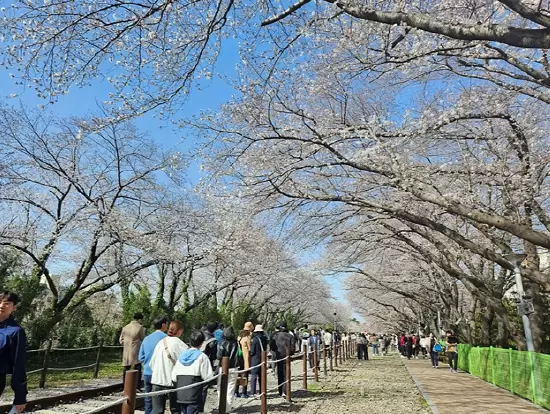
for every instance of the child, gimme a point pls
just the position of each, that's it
(193, 366)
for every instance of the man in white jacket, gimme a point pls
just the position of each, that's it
(164, 358)
(192, 367)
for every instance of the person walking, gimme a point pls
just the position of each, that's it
(259, 345)
(131, 337)
(374, 342)
(282, 346)
(403, 345)
(434, 348)
(382, 345)
(13, 351)
(313, 345)
(164, 358)
(362, 347)
(416, 345)
(452, 351)
(409, 346)
(424, 345)
(146, 353)
(327, 340)
(229, 348)
(193, 366)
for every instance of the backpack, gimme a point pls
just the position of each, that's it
(206, 343)
(438, 348)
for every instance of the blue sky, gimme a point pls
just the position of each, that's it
(82, 101)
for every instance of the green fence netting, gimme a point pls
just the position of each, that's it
(526, 374)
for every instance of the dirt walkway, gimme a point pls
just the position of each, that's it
(452, 393)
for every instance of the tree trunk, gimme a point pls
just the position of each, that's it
(533, 291)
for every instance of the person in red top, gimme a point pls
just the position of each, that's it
(402, 347)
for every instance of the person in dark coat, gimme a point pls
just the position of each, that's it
(282, 345)
(13, 350)
(229, 348)
(259, 345)
(409, 345)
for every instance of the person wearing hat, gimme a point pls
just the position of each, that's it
(259, 345)
(245, 343)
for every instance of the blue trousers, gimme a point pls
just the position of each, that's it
(148, 388)
(189, 408)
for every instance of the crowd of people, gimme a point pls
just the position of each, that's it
(165, 362)
(413, 346)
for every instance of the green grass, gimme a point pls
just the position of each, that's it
(63, 378)
(110, 367)
(423, 402)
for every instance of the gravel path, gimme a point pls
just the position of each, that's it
(378, 386)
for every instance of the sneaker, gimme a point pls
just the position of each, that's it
(245, 396)
(283, 395)
(236, 395)
(450, 370)
(437, 366)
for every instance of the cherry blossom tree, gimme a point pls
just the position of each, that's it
(152, 52)
(470, 170)
(72, 192)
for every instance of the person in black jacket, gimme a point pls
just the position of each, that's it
(210, 345)
(210, 348)
(229, 348)
(409, 346)
(282, 345)
(13, 344)
(259, 345)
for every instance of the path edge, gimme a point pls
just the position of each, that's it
(426, 396)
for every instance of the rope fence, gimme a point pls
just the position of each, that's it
(105, 406)
(48, 360)
(72, 368)
(171, 390)
(328, 354)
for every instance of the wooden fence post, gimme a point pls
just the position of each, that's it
(130, 389)
(222, 392)
(288, 376)
(98, 359)
(315, 362)
(325, 360)
(304, 367)
(45, 364)
(263, 383)
(335, 355)
(340, 352)
(331, 348)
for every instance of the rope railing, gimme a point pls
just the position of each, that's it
(279, 360)
(244, 371)
(45, 354)
(105, 406)
(34, 371)
(71, 368)
(171, 390)
(321, 354)
(30, 351)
